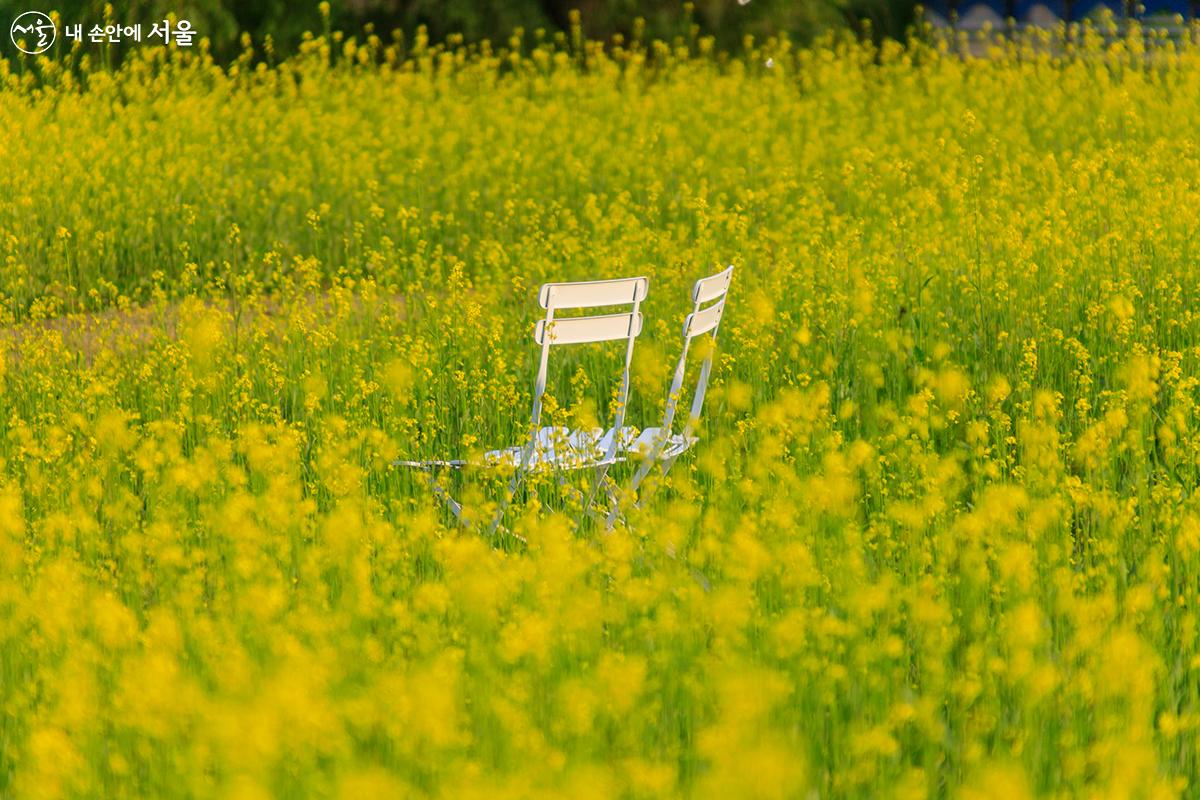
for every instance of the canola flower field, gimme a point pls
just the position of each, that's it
(940, 535)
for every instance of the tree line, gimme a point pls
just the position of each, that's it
(728, 21)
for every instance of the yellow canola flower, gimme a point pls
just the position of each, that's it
(937, 533)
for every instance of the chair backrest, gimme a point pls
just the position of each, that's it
(625, 326)
(708, 306)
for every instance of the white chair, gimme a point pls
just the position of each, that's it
(557, 448)
(661, 446)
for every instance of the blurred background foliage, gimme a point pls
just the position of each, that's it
(728, 21)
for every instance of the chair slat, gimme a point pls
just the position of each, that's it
(713, 286)
(587, 294)
(704, 320)
(578, 330)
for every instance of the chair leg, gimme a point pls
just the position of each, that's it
(455, 507)
(614, 508)
(452, 504)
(642, 471)
(600, 474)
(567, 487)
(638, 477)
(590, 509)
(513, 485)
(664, 467)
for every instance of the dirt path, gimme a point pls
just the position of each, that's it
(87, 333)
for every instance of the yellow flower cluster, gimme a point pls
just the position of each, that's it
(940, 534)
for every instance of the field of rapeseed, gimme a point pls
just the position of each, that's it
(939, 536)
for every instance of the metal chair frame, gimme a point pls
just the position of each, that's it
(658, 446)
(556, 448)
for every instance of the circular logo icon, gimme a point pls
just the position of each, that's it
(33, 32)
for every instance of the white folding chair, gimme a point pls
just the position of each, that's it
(660, 446)
(557, 448)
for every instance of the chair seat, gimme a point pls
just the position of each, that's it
(432, 463)
(559, 448)
(566, 449)
(562, 448)
(554, 446)
(643, 443)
